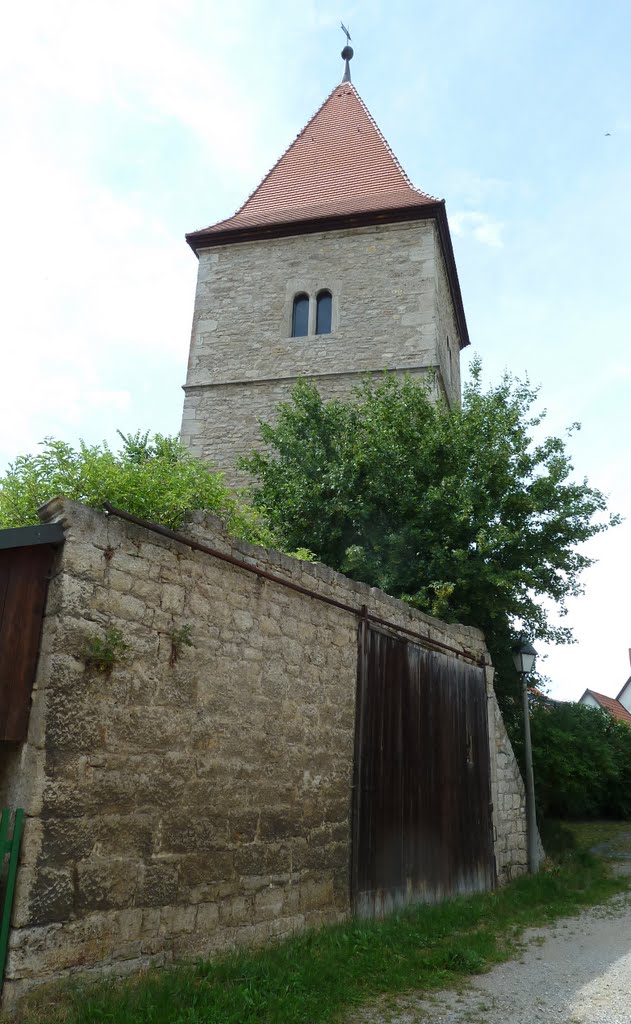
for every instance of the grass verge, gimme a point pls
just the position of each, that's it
(315, 977)
(594, 833)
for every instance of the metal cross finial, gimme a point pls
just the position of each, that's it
(347, 53)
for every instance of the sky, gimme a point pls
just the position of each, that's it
(126, 124)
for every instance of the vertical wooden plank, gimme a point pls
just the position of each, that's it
(7, 563)
(422, 825)
(26, 572)
(5, 570)
(356, 809)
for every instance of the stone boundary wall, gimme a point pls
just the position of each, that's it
(198, 797)
(508, 795)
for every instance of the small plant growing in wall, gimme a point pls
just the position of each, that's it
(180, 638)
(101, 653)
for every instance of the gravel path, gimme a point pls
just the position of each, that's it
(575, 972)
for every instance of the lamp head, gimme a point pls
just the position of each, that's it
(524, 656)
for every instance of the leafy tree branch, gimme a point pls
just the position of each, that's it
(465, 513)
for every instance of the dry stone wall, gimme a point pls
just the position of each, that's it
(197, 797)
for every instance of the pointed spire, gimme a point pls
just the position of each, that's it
(347, 54)
(339, 165)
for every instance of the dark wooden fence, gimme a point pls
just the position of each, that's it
(422, 816)
(26, 557)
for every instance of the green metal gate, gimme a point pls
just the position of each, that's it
(9, 853)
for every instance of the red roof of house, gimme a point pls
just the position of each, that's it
(339, 165)
(613, 706)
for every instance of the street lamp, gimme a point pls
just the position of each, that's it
(524, 659)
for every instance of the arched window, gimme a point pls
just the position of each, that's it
(324, 308)
(300, 316)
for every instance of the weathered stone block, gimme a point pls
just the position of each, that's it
(67, 839)
(173, 597)
(158, 884)
(237, 910)
(201, 873)
(52, 896)
(175, 920)
(268, 904)
(105, 883)
(207, 917)
(183, 834)
(124, 835)
(70, 725)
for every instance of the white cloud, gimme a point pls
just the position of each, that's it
(135, 55)
(479, 225)
(92, 281)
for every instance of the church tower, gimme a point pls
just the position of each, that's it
(336, 267)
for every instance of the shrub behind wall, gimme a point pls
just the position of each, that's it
(582, 762)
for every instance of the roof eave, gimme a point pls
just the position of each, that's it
(428, 211)
(452, 275)
(282, 229)
(31, 536)
(624, 688)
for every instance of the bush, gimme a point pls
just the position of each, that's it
(582, 762)
(151, 477)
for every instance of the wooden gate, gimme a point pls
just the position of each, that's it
(422, 815)
(26, 556)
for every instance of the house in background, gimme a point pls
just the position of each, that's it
(619, 707)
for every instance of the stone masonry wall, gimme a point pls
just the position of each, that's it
(196, 798)
(223, 420)
(508, 796)
(448, 336)
(391, 310)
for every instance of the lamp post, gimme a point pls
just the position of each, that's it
(524, 659)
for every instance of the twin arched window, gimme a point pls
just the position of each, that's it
(300, 314)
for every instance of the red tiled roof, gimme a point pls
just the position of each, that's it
(339, 165)
(613, 706)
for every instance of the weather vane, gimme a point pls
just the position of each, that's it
(347, 53)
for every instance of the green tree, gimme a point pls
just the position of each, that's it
(582, 761)
(152, 477)
(459, 512)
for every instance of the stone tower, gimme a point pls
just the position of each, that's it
(334, 268)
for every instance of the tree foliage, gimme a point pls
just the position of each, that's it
(459, 512)
(151, 477)
(582, 762)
